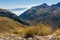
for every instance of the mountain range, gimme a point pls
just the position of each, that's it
(43, 14)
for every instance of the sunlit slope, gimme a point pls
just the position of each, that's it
(8, 25)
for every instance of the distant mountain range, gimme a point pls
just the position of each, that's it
(17, 9)
(43, 13)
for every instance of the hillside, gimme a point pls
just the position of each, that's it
(8, 25)
(9, 14)
(43, 13)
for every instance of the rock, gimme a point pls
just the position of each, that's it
(1, 39)
(21, 39)
(30, 39)
(36, 37)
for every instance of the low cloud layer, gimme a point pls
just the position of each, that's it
(19, 10)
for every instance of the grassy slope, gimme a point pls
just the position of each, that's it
(9, 26)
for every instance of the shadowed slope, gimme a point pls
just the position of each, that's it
(43, 13)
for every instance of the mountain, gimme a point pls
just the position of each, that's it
(43, 13)
(11, 23)
(18, 11)
(9, 14)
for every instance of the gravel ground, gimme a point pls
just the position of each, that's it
(36, 37)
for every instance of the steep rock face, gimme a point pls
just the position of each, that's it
(43, 13)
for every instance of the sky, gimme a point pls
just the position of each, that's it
(24, 3)
(9, 4)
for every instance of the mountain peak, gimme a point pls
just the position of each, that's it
(58, 4)
(44, 5)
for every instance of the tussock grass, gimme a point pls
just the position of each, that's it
(39, 29)
(43, 29)
(57, 32)
(8, 25)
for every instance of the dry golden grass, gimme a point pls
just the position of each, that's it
(9, 26)
(57, 32)
(43, 29)
(39, 29)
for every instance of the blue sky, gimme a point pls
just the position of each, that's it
(12, 4)
(25, 3)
